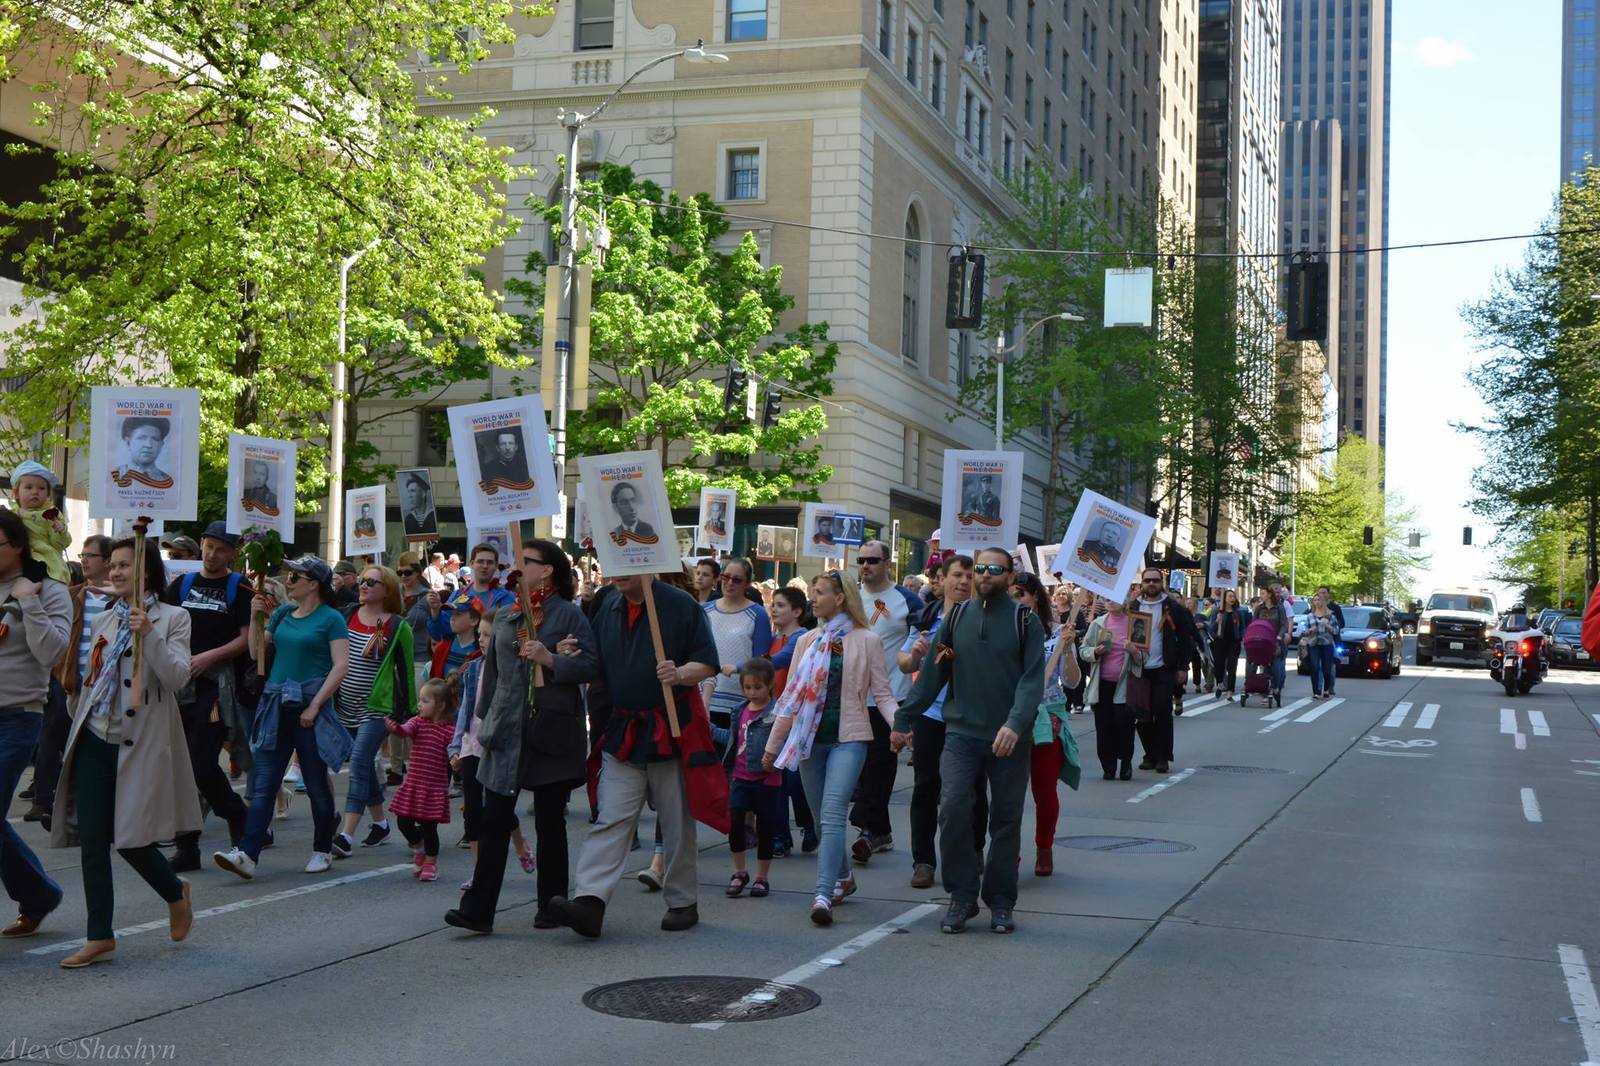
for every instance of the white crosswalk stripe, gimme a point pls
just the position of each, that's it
(1317, 712)
(1508, 720)
(1541, 728)
(1280, 717)
(1425, 719)
(1194, 710)
(1397, 717)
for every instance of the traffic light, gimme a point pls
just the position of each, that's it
(771, 410)
(1415, 540)
(1466, 535)
(733, 391)
(1366, 535)
(1308, 299)
(963, 303)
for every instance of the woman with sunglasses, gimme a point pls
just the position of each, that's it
(379, 683)
(741, 629)
(414, 608)
(531, 731)
(823, 727)
(308, 643)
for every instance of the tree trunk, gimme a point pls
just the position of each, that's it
(1592, 571)
(246, 364)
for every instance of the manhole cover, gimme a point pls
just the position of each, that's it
(1243, 770)
(692, 1000)
(1138, 845)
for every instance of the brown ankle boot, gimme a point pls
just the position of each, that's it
(1045, 864)
(181, 915)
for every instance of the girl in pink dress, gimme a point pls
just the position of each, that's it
(423, 802)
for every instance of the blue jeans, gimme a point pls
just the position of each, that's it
(366, 786)
(25, 881)
(830, 776)
(266, 777)
(1323, 668)
(1279, 669)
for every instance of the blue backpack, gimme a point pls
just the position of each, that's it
(186, 585)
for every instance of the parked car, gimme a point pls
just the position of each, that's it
(1550, 616)
(1371, 642)
(1566, 645)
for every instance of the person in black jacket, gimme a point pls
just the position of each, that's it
(1172, 642)
(1333, 604)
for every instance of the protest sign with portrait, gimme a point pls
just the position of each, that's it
(502, 451)
(144, 454)
(626, 502)
(982, 501)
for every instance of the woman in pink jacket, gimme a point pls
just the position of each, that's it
(822, 726)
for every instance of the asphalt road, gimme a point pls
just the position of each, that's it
(1405, 876)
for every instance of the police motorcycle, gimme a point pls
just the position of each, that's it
(1518, 656)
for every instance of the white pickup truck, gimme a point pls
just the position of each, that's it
(1455, 624)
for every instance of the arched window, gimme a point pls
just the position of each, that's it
(911, 299)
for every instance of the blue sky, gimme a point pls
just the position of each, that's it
(1474, 146)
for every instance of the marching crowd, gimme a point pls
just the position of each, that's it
(458, 687)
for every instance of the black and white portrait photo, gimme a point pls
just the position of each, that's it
(979, 498)
(416, 504)
(260, 494)
(784, 542)
(143, 442)
(502, 458)
(1103, 546)
(628, 505)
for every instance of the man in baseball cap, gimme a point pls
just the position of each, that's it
(181, 547)
(345, 579)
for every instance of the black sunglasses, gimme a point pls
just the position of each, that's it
(369, 582)
(529, 560)
(990, 568)
(864, 560)
(405, 571)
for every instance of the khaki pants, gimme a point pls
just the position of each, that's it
(624, 788)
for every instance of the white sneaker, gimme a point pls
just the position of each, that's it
(321, 862)
(291, 776)
(235, 861)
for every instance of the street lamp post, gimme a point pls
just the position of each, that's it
(574, 121)
(1001, 350)
(331, 535)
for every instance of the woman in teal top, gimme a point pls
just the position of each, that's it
(308, 642)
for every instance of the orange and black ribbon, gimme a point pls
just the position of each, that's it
(493, 485)
(97, 656)
(256, 505)
(124, 478)
(880, 610)
(1097, 561)
(623, 536)
(966, 518)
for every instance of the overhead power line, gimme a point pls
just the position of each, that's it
(1123, 254)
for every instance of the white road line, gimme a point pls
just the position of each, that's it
(1162, 786)
(1286, 710)
(1397, 717)
(1508, 720)
(806, 971)
(1596, 718)
(236, 905)
(1541, 728)
(1425, 719)
(1202, 707)
(1395, 754)
(1521, 740)
(1530, 806)
(1585, 1003)
(1317, 712)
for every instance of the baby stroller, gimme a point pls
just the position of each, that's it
(1260, 652)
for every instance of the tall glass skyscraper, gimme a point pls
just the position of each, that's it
(1336, 67)
(1577, 86)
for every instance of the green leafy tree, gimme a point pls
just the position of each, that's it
(1540, 382)
(1101, 396)
(1331, 546)
(670, 312)
(1545, 559)
(207, 192)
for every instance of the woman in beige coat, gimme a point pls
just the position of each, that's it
(125, 778)
(822, 725)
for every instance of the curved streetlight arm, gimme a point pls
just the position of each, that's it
(1000, 370)
(574, 120)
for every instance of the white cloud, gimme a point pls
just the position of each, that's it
(1438, 52)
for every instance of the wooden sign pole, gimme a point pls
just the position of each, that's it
(261, 628)
(661, 655)
(136, 690)
(525, 601)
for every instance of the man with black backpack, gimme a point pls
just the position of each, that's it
(218, 602)
(990, 651)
